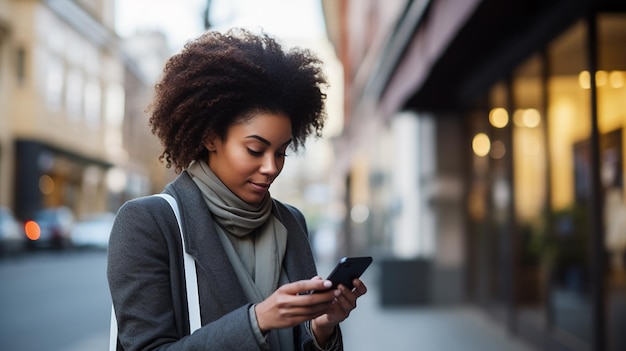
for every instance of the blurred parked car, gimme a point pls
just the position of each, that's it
(12, 238)
(50, 227)
(93, 231)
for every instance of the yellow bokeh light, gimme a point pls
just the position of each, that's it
(584, 80)
(602, 78)
(498, 117)
(481, 144)
(531, 118)
(616, 79)
(518, 117)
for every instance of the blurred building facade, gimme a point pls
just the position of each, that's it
(68, 135)
(486, 139)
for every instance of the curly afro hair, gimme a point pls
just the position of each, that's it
(219, 79)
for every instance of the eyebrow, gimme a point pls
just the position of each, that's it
(265, 141)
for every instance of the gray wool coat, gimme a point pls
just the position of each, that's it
(146, 275)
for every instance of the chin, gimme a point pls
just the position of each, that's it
(254, 199)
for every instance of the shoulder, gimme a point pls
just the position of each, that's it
(289, 215)
(143, 216)
(146, 205)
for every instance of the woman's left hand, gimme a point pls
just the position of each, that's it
(324, 325)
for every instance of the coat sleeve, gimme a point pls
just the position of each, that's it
(146, 280)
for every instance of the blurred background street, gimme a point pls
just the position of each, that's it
(60, 301)
(55, 300)
(474, 148)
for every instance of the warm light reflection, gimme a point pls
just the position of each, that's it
(531, 148)
(531, 118)
(601, 78)
(616, 79)
(498, 117)
(518, 117)
(32, 230)
(46, 184)
(584, 80)
(481, 144)
(526, 118)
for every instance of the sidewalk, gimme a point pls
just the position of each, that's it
(462, 328)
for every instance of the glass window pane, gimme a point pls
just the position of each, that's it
(530, 177)
(569, 130)
(611, 121)
(74, 95)
(54, 83)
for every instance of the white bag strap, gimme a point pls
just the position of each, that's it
(191, 277)
(191, 282)
(113, 331)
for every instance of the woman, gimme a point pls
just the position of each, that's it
(226, 110)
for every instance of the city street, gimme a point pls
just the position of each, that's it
(54, 301)
(59, 301)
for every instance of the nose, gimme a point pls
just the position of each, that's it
(271, 166)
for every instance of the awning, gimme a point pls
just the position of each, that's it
(498, 36)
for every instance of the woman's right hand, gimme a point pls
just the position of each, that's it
(290, 305)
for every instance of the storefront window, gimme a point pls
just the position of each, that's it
(569, 128)
(490, 201)
(531, 170)
(482, 251)
(546, 199)
(611, 92)
(500, 194)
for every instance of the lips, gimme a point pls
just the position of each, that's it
(260, 186)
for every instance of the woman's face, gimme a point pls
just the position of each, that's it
(251, 155)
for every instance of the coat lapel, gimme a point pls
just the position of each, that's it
(216, 276)
(298, 261)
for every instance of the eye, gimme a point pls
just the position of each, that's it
(254, 152)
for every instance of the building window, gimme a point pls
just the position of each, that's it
(74, 95)
(93, 102)
(54, 82)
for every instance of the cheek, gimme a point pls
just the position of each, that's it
(242, 163)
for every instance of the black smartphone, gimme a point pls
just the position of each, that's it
(346, 270)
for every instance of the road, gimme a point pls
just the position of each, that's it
(59, 301)
(54, 301)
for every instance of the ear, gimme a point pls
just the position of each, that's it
(209, 142)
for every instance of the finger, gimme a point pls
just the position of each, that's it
(310, 312)
(347, 299)
(319, 298)
(303, 286)
(341, 309)
(359, 288)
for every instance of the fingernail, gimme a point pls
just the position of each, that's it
(328, 283)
